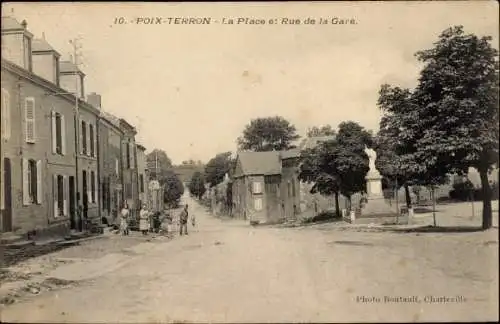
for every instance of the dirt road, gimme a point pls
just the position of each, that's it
(226, 271)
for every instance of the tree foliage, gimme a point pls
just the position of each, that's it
(453, 121)
(158, 162)
(268, 134)
(217, 168)
(338, 166)
(326, 130)
(173, 188)
(197, 185)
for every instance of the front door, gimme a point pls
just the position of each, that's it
(7, 192)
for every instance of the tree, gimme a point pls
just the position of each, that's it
(268, 134)
(158, 161)
(316, 167)
(197, 185)
(325, 130)
(395, 142)
(350, 158)
(338, 166)
(217, 168)
(173, 188)
(457, 99)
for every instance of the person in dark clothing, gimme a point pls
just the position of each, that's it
(183, 218)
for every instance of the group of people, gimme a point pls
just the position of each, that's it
(149, 222)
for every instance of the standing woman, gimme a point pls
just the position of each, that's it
(144, 220)
(124, 219)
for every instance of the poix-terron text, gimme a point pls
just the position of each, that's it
(154, 20)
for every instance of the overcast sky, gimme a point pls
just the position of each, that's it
(191, 89)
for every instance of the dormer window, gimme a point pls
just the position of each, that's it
(27, 53)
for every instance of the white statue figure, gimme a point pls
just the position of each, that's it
(372, 156)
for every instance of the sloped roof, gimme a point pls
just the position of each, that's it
(265, 163)
(41, 45)
(110, 118)
(288, 154)
(312, 142)
(66, 66)
(9, 23)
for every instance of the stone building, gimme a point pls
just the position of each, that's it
(129, 164)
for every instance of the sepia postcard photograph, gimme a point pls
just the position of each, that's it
(249, 162)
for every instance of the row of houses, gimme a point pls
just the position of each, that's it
(63, 158)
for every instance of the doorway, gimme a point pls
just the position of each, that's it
(72, 204)
(7, 192)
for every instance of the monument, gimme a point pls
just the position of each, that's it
(375, 209)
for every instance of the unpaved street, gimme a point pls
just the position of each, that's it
(227, 271)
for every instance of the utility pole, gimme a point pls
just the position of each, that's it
(79, 195)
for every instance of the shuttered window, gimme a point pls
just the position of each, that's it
(257, 187)
(29, 116)
(5, 111)
(93, 187)
(91, 140)
(258, 204)
(32, 179)
(84, 137)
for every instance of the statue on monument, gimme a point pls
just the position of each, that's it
(372, 156)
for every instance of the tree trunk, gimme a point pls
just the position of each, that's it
(337, 207)
(408, 197)
(486, 193)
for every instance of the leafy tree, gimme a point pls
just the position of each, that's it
(158, 162)
(268, 134)
(317, 167)
(457, 116)
(350, 159)
(217, 168)
(338, 166)
(173, 188)
(197, 185)
(325, 130)
(395, 142)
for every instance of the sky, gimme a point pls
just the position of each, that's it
(191, 89)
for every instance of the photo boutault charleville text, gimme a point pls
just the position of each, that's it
(265, 162)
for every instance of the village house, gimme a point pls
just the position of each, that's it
(72, 80)
(266, 186)
(129, 163)
(110, 167)
(143, 174)
(38, 155)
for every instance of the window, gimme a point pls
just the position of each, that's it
(141, 182)
(60, 195)
(5, 111)
(29, 116)
(257, 187)
(32, 181)
(128, 155)
(257, 203)
(92, 186)
(84, 138)
(91, 135)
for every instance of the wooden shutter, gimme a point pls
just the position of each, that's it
(26, 187)
(63, 135)
(88, 139)
(54, 131)
(29, 110)
(80, 134)
(89, 186)
(5, 111)
(39, 182)
(117, 167)
(55, 194)
(95, 141)
(65, 195)
(96, 188)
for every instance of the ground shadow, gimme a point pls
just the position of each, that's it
(440, 229)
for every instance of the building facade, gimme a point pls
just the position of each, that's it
(38, 163)
(143, 175)
(129, 164)
(110, 167)
(265, 187)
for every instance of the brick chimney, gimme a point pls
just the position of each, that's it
(94, 99)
